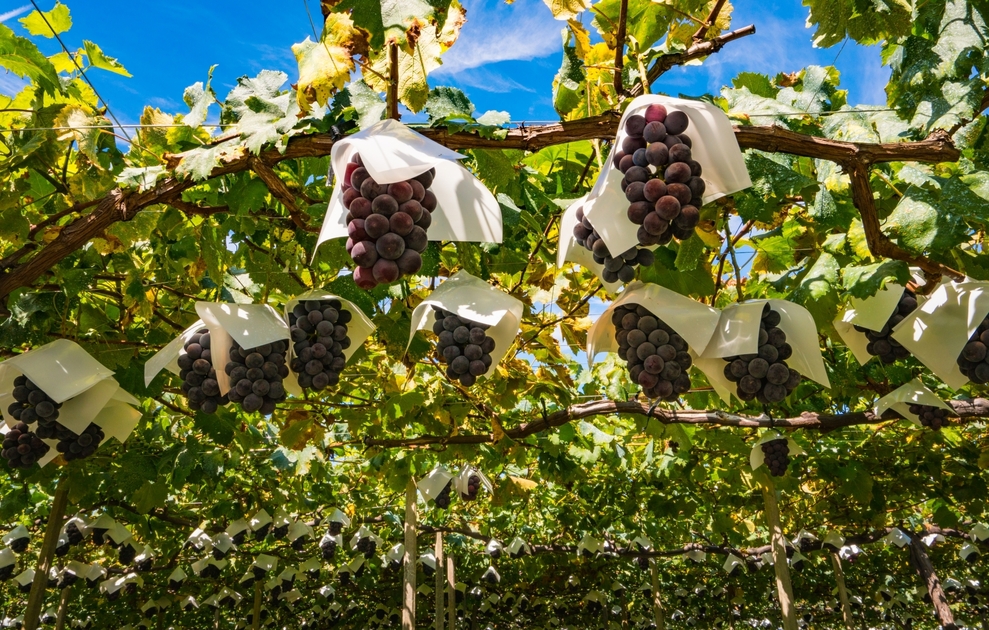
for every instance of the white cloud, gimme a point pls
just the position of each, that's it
(496, 31)
(14, 13)
(11, 84)
(484, 79)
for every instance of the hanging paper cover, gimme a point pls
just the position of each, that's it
(732, 564)
(697, 555)
(355, 332)
(903, 398)
(260, 522)
(757, 457)
(589, 545)
(518, 548)
(494, 548)
(834, 541)
(940, 330)
(433, 484)
(874, 313)
(473, 300)
(391, 152)
(897, 537)
(396, 554)
(265, 563)
(78, 391)
(17, 538)
(968, 552)
(568, 250)
(471, 478)
(365, 533)
(932, 539)
(737, 334)
(980, 532)
(299, 529)
(427, 560)
(712, 147)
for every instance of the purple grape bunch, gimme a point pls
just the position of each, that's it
(930, 416)
(463, 345)
(765, 375)
(973, 361)
(662, 182)
(256, 376)
(777, 456)
(319, 332)
(386, 224)
(881, 343)
(22, 448)
(619, 267)
(656, 355)
(199, 376)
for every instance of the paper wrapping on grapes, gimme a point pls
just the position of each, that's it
(432, 484)
(913, 393)
(590, 544)
(569, 251)
(737, 333)
(474, 299)
(266, 563)
(462, 480)
(939, 329)
(359, 328)
(364, 532)
(732, 562)
(250, 325)
(713, 146)
(693, 321)
(260, 519)
(758, 458)
(465, 209)
(835, 540)
(337, 516)
(871, 313)
(168, 357)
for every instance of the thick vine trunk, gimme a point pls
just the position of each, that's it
(36, 599)
(921, 563)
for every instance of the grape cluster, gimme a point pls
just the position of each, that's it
(777, 456)
(299, 543)
(280, 531)
(973, 361)
(367, 546)
(642, 562)
(656, 355)
(662, 182)
(256, 376)
(621, 267)
(72, 531)
(930, 416)
(386, 224)
(463, 346)
(443, 498)
(328, 547)
(765, 376)
(72, 445)
(30, 403)
(319, 332)
(473, 485)
(261, 532)
(198, 375)
(336, 528)
(22, 448)
(881, 344)
(126, 554)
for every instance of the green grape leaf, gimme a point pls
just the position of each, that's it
(48, 23)
(97, 59)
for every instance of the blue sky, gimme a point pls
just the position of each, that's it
(506, 57)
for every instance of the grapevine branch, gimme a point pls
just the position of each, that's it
(122, 205)
(966, 410)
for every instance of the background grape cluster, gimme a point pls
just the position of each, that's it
(256, 376)
(656, 355)
(973, 361)
(473, 485)
(328, 547)
(881, 344)
(777, 456)
(367, 546)
(442, 499)
(662, 181)
(620, 267)
(198, 374)
(463, 345)
(765, 376)
(319, 332)
(930, 416)
(73, 445)
(31, 404)
(22, 448)
(386, 224)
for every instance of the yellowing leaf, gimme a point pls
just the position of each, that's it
(325, 66)
(567, 9)
(99, 60)
(582, 38)
(413, 69)
(456, 17)
(58, 21)
(521, 483)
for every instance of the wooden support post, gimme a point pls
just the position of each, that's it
(438, 622)
(620, 50)
(32, 614)
(784, 588)
(922, 565)
(451, 595)
(63, 609)
(657, 602)
(839, 578)
(161, 619)
(216, 618)
(392, 93)
(409, 581)
(256, 619)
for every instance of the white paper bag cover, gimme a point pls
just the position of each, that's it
(913, 393)
(713, 146)
(568, 250)
(250, 325)
(391, 152)
(872, 313)
(473, 299)
(693, 321)
(939, 329)
(62, 369)
(168, 357)
(432, 484)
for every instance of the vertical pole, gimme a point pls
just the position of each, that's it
(438, 590)
(256, 619)
(161, 619)
(409, 581)
(451, 595)
(63, 609)
(393, 81)
(216, 618)
(620, 50)
(32, 614)
(839, 578)
(657, 602)
(783, 586)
